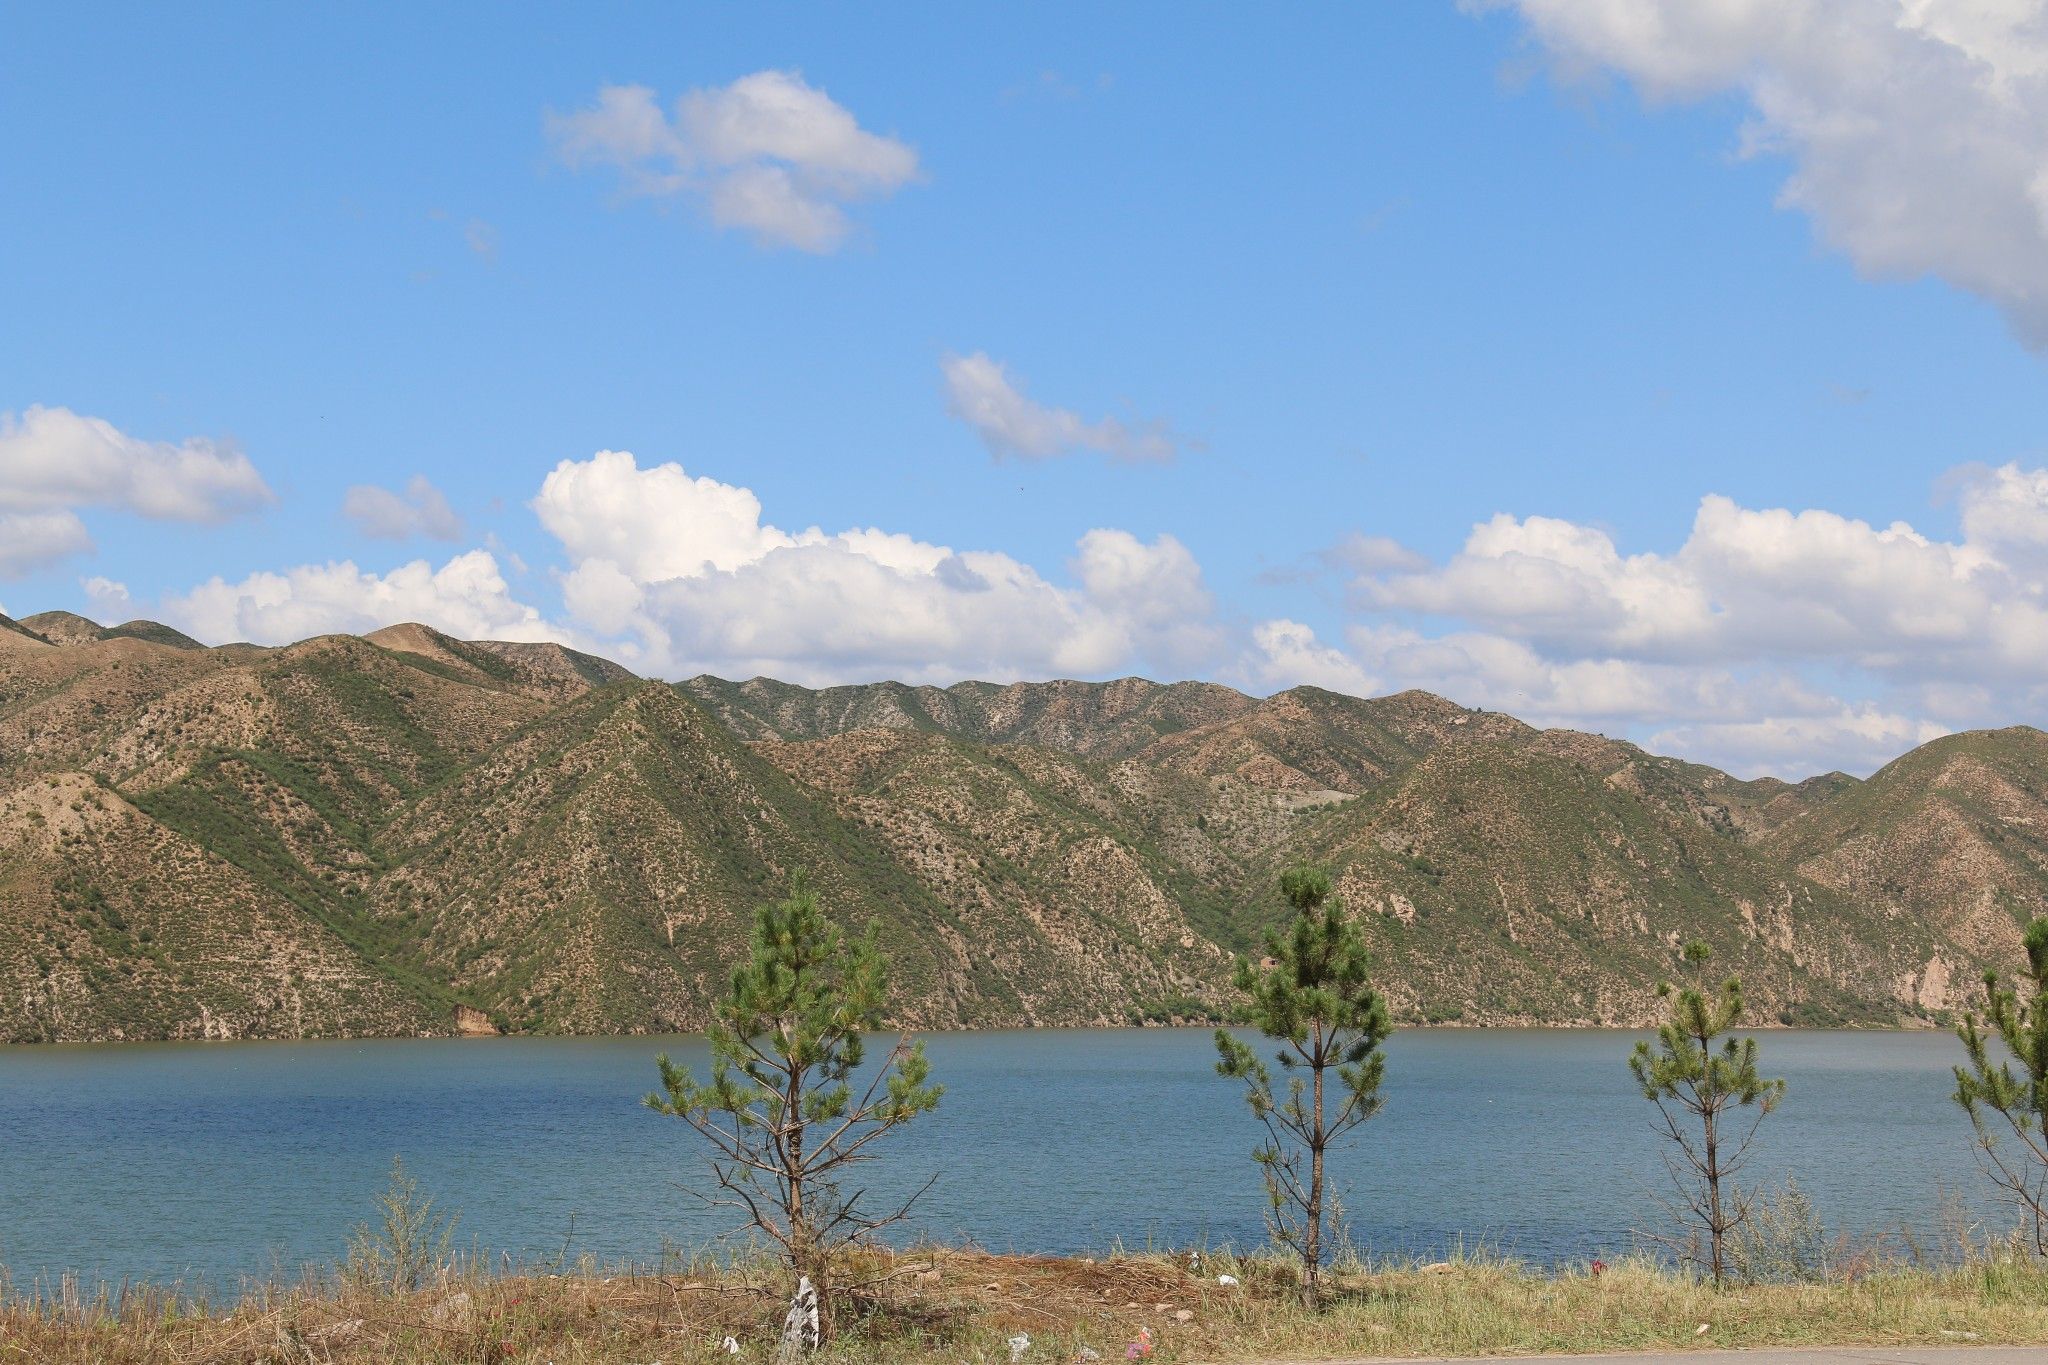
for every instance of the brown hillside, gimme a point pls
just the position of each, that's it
(360, 835)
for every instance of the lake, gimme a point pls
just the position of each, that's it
(220, 1160)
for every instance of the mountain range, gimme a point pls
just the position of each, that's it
(405, 833)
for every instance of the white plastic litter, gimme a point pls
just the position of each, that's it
(800, 1329)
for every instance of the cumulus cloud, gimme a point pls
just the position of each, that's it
(1750, 721)
(2005, 511)
(106, 599)
(422, 510)
(32, 540)
(1851, 737)
(55, 462)
(55, 458)
(1769, 640)
(1917, 129)
(1747, 584)
(981, 393)
(828, 610)
(1156, 591)
(1287, 654)
(675, 574)
(769, 154)
(652, 523)
(465, 597)
(683, 574)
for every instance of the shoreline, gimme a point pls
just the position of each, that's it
(1644, 1030)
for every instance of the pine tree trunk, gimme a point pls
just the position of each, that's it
(803, 1255)
(1312, 1243)
(1716, 1224)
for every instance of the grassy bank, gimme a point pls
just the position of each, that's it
(950, 1306)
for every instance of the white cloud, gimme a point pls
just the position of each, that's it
(2005, 510)
(1769, 640)
(1917, 129)
(1490, 670)
(654, 523)
(769, 154)
(825, 612)
(1370, 554)
(681, 574)
(1156, 591)
(1287, 654)
(1753, 584)
(674, 574)
(981, 393)
(32, 540)
(422, 510)
(54, 458)
(1854, 737)
(1749, 721)
(55, 463)
(466, 597)
(106, 599)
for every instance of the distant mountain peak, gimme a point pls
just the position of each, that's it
(69, 629)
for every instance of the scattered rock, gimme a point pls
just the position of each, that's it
(1227, 1281)
(1183, 1315)
(453, 1311)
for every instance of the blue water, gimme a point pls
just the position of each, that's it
(220, 1160)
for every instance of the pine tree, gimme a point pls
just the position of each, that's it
(1315, 1000)
(1994, 1097)
(1694, 1086)
(781, 1110)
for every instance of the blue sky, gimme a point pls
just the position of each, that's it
(1364, 277)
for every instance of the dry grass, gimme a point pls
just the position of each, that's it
(949, 1306)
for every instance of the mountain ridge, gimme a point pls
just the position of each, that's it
(352, 835)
